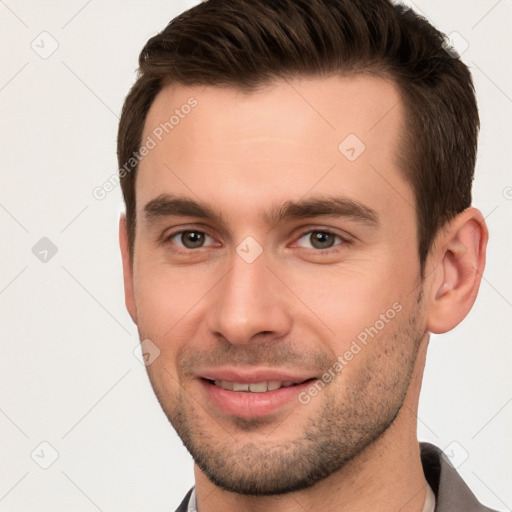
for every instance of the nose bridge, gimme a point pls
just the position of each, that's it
(249, 301)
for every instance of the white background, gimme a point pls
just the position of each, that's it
(68, 375)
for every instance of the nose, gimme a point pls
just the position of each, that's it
(250, 302)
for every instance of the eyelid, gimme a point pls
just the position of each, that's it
(344, 237)
(168, 235)
(179, 233)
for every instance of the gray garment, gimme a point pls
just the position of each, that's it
(452, 493)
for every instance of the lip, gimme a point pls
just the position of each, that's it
(245, 404)
(250, 376)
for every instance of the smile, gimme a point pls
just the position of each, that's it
(252, 395)
(253, 387)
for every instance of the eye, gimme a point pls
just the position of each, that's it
(190, 239)
(319, 239)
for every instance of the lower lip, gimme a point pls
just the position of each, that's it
(246, 404)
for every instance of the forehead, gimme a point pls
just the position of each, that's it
(284, 141)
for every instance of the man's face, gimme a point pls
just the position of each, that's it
(277, 287)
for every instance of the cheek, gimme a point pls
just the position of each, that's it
(162, 294)
(348, 301)
(170, 302)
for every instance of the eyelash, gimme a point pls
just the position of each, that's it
(343, 240)
(328, 250)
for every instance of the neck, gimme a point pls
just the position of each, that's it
(386, 476)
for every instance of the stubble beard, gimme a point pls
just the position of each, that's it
(353, 415)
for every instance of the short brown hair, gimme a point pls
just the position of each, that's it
(250, 43)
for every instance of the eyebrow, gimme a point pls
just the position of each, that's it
(166, 205)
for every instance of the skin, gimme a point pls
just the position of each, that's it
(297, 306)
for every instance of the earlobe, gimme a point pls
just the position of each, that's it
(127, 269)
(459, 262)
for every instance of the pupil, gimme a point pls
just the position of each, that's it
(191, 239)
(321, 240)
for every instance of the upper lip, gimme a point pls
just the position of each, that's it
(252, 375)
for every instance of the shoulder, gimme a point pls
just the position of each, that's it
(452, 493)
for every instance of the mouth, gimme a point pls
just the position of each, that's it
(255, 387)
(252, 395)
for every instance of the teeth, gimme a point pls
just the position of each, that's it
(258, 387)
(224, 384)
(255, 387)
(273, 384)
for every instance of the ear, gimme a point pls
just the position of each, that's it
(127, 269)
(458, 261)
